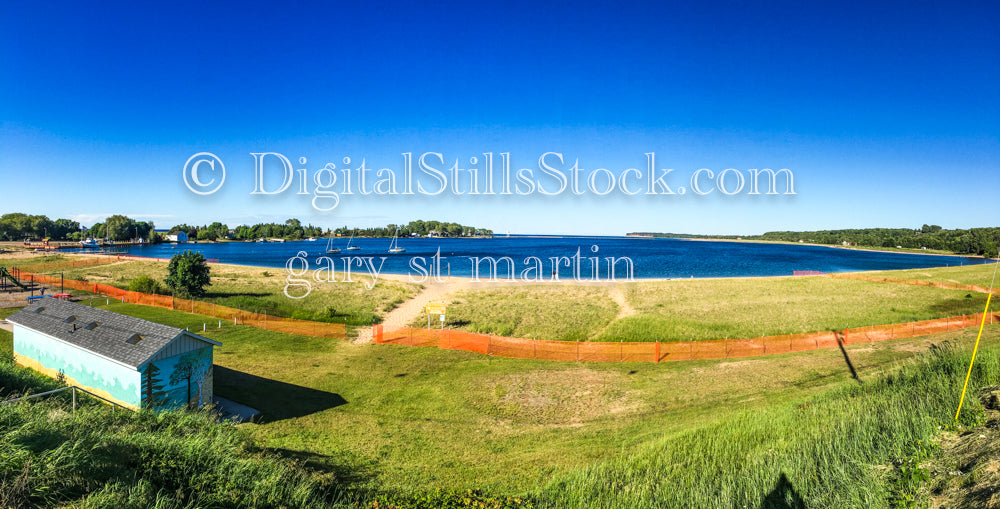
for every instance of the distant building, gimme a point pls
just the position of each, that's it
(176, 237)
(124, 359)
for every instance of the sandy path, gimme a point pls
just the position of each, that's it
(406, 312)
(624, 308)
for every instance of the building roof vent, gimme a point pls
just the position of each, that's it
(134, 338)
(70, 319)
(92, 325)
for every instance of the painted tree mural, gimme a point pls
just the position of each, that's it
(152, 387)
(191, 368)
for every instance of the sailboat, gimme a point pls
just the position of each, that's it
(349, 246)
(394, 245)
(329, 246)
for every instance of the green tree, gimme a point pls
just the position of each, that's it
(146, 284)
(188, 274)
(152, 387)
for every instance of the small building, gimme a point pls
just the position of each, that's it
(128, 360)
(176, 237)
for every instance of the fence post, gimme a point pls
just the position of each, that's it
(74, 398)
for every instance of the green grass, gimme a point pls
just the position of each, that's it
(568, 313)
(96, 457)
(6, 338)
(980, 275)
(754, 307)
(854, 446)
(406, 419)
(402, 422)
(262, 290)
(701, 309)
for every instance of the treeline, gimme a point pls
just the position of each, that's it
(974, 241)
(292, 229)
(420, 227)
(121, 228)
(17, 226)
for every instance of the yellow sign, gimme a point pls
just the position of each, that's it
(436, 308)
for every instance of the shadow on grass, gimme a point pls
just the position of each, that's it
(783, 496)
(346, 475)
(956, 307)
(275, 400)
(847, 358)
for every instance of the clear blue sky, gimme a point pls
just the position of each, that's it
(888, 115)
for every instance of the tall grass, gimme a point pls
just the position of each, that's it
(99, 457)
(568, 313)
(840, 449)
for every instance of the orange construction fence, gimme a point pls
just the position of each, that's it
(259, 320)
(915, 282)
(662, 351)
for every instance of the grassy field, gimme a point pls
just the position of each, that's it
(568, 313)
(753, 307)
(261, 290)
(410, 418)
(701, 308)
(406, 421)
(854, 446)
(964, 275)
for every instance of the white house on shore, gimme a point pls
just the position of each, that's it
(176, 237)
(128, 360)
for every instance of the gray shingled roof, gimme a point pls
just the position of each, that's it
(109, 339)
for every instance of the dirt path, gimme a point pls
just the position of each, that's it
(406, 312)
(624, 308)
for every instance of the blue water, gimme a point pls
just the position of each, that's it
(652, 258)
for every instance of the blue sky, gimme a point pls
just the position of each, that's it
(888, 115)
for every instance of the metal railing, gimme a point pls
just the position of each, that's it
(72, 388)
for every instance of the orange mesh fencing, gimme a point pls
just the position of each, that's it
(665, 351)
(259, 320)
(916, 282)
(576, 351)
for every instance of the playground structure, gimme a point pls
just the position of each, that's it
(6, 276)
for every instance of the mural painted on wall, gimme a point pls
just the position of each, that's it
(85, 369)
(177, 380)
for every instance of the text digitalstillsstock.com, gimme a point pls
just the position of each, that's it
(204, 173)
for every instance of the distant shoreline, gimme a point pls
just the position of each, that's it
(850, 248)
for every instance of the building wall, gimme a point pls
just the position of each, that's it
(175, 388)
(103, 377)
